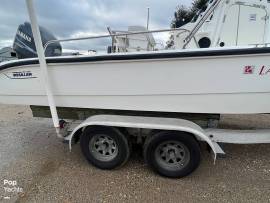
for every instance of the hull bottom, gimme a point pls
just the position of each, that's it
(247, 103)
(203, 120)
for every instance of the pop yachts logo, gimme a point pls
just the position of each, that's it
(11, 188)
(262, 70)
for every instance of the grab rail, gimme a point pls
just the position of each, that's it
(124, 34)
(201, 21)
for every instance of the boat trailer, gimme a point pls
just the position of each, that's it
(171, 146)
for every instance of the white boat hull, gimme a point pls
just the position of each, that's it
(200, 84)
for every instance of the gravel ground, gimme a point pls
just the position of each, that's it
(47, 171)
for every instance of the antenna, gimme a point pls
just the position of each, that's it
(148, 16)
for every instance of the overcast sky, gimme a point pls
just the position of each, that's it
(74, 18)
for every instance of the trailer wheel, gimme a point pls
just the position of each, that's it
(172, 154)
(105, 147)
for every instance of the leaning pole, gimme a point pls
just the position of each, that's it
(43, 65)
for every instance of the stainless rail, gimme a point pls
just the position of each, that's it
(124, 34)
(201, 21)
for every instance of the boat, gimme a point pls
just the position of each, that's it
(220, 78)
(165, 100)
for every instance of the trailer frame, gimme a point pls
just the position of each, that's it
(212, 136)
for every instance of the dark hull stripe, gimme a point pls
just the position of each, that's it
(200, 53)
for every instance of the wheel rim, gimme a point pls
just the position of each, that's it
(172, 155)
(103, 147)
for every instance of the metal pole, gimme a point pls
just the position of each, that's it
(43, 65)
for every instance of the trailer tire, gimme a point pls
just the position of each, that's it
(105, 147)
(172, 154)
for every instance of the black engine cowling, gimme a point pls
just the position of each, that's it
(24, 45)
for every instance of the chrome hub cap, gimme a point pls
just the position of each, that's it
(172, 155)
(103, 147)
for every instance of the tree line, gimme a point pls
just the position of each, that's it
(183, 15)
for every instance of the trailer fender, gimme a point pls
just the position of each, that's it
(148, 123)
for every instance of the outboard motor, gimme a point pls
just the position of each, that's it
(24, 45)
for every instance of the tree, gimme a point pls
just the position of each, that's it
(198, 5)
(184, 15)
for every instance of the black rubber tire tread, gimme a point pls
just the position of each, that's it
(187, 139)
(121, 140)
